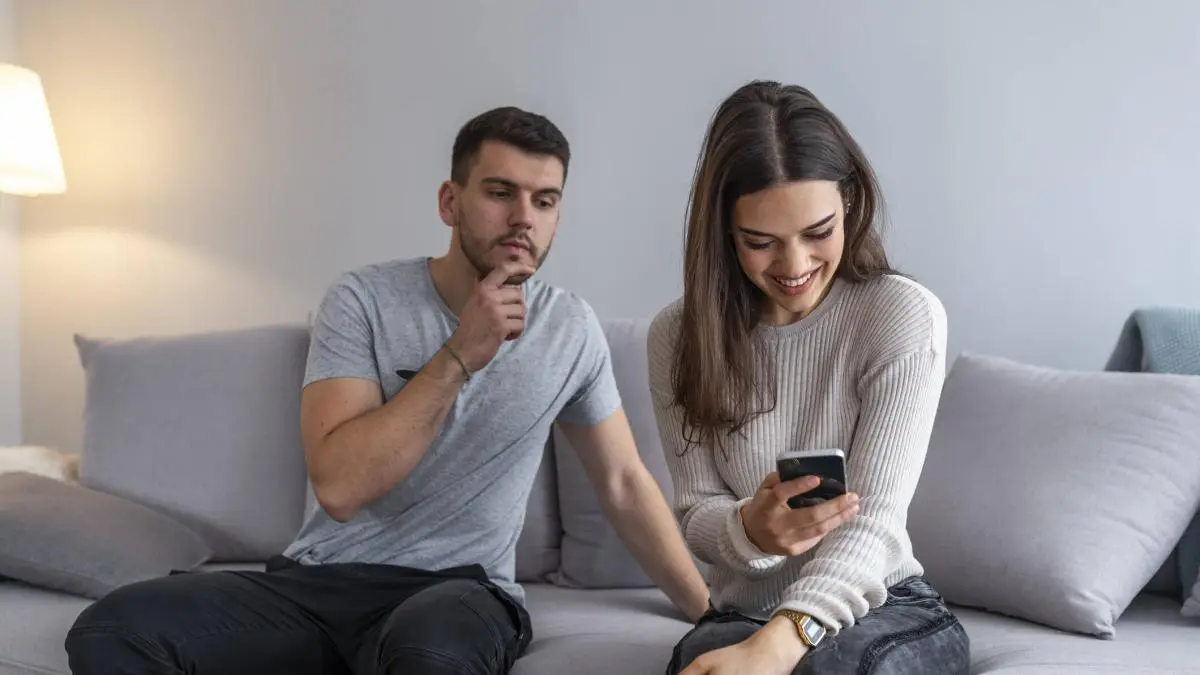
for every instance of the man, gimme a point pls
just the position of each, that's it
(430, 389)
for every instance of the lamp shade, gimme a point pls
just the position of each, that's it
(29, 159)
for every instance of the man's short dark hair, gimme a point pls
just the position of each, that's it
(528, 131)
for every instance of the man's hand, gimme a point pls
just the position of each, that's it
(494, 312)
(776, 528)
(773, 650)
(358, 448)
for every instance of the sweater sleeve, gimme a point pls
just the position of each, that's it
(708, 511)
(898, 404)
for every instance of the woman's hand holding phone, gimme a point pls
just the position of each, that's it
(777, 529)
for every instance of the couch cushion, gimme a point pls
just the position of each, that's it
(632, 631)
(1151, 639)
(82, 541)
(33, 626)
(599, 632)
(203, 427)
(592, 554)
(538, 547)
(1055, 496)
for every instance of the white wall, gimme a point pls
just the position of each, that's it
(226, 163)
(10, 294)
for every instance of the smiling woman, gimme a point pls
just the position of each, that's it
(793, 191)
(794, 333)
(783, 252)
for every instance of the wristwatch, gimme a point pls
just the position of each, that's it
(811, 630)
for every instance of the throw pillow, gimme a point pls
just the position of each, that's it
(70, 538)
(205, 428)
(1054, 496)
(593, 556)
(1166, 339)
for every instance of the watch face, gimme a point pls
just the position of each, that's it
(813, 630)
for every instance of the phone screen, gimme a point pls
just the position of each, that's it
(831, 470)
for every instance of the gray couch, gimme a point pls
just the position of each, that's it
(238, 477)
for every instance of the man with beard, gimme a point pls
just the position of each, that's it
(430, 390)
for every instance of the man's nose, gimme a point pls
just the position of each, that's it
(521, 215)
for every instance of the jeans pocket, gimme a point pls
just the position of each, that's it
(514, 629)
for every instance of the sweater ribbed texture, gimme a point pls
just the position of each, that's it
(863, 373)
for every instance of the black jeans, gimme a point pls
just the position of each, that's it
(342, 619)
(912, 633)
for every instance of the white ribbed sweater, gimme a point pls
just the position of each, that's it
(862, 373)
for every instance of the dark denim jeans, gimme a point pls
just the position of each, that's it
(344, 619)
(912, 633)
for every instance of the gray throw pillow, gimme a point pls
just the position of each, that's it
(593, 556)
(205, 428)
(1055, 496)
(71, 538)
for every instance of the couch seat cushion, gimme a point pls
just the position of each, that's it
(33, 625)
(594, 631)
(587, 631)
(1152, 638)
(633, 631)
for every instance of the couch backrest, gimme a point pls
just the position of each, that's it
(590, 555)
(206, 427)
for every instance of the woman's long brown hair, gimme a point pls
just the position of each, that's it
(764, 134)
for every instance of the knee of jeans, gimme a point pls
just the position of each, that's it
(101, 637)
(123, 608)
(407, 660)
(455, 622)
(114, 622)
(942, 650)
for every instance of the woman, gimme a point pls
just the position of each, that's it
(794, 333)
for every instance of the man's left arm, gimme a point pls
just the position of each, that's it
(637, 509)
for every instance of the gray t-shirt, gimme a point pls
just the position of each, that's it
(464, 502)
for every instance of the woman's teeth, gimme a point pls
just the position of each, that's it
(795, 282)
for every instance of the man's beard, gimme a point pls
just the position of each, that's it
(475, 250)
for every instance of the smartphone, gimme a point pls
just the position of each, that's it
(827, 464)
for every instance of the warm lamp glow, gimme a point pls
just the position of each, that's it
(29, 160)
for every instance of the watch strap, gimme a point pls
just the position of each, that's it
(811, 631)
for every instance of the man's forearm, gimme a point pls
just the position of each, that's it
(642, 518)
(362, 459)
